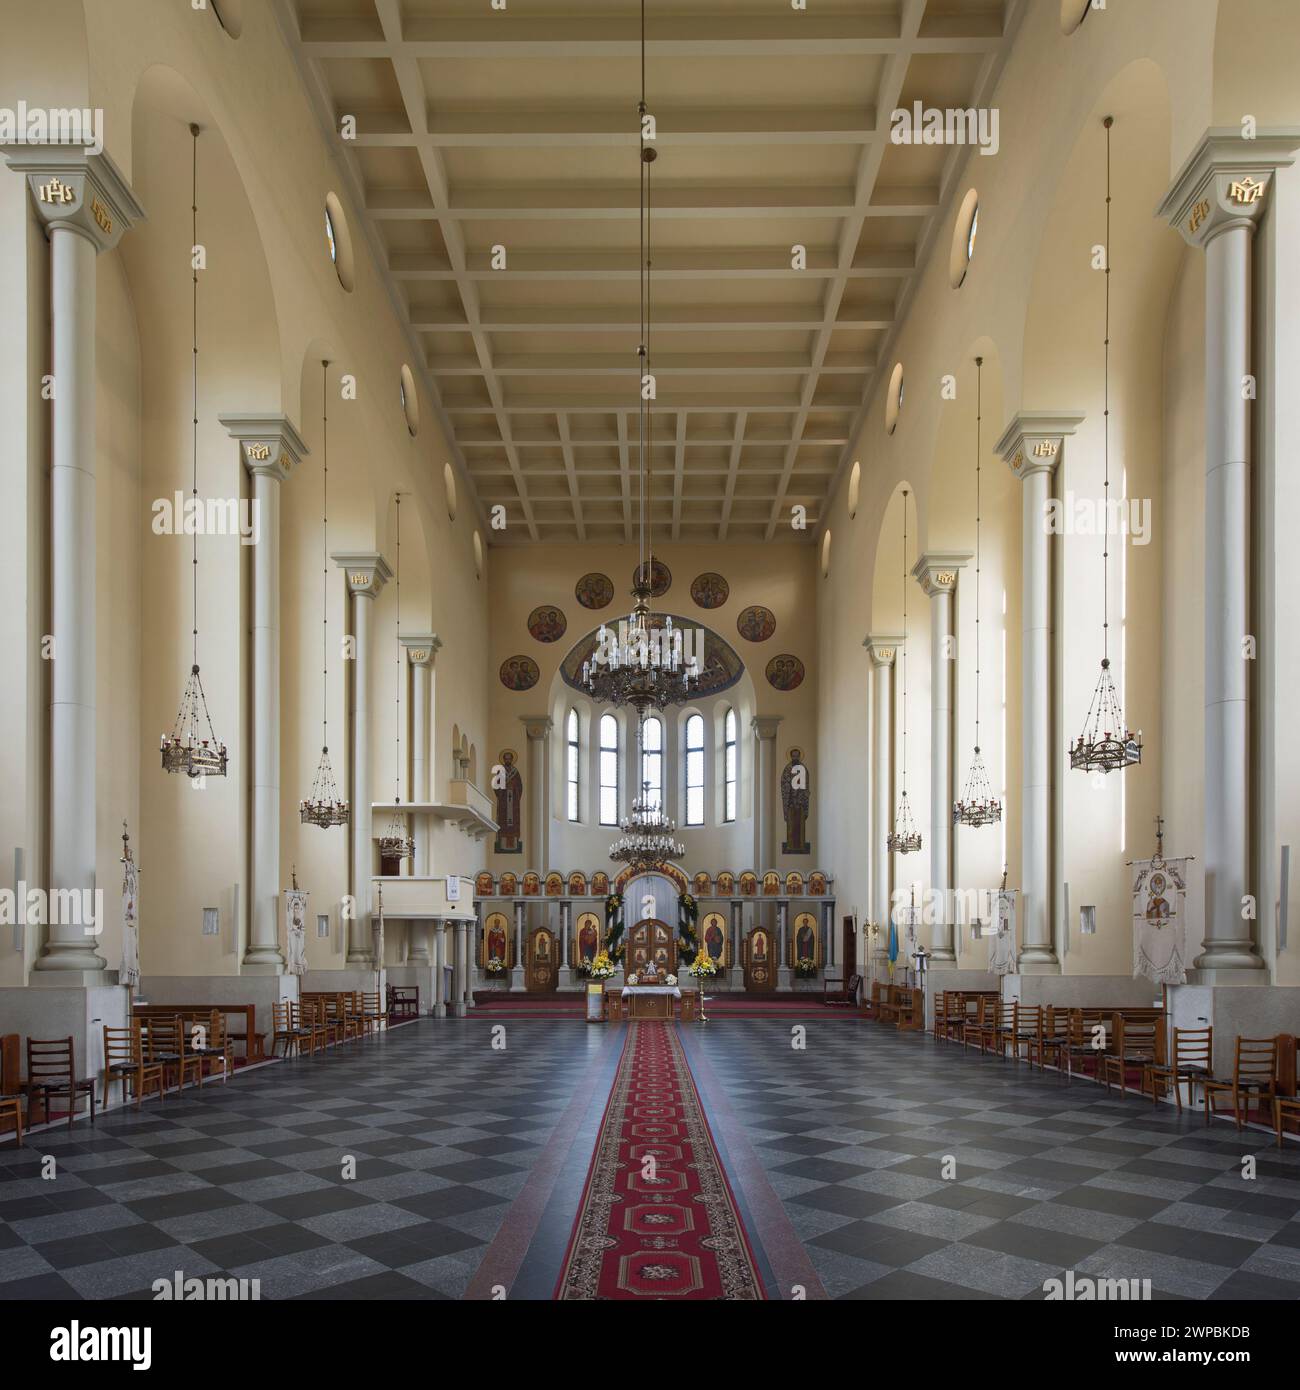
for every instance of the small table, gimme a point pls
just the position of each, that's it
(650, 1001)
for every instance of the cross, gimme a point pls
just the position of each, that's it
(1160, 837)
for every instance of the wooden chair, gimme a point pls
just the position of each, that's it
(205, 1037)
(285, 1030)
(308, 1017)
(11, 1107)
(1284, 1108)
(1254, 1072)
(187, 1063)
(985, 1022)
(1081, 1041)
(124, 1061)
(998, 1027)
(372, 1013)
(52, 1074)
(845, 992)
(161, 1045)
(1052, 1037)
(1026, 1030)
(1135, 1046)
(1192, 1059)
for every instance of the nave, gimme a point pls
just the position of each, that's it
(469, 1178)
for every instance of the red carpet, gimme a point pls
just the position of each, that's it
(670, 1231)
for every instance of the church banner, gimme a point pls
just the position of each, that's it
(1159, 920)
(295, 934)
(1002, 950)
(129, 971)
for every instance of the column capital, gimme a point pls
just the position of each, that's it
(78, 190)
(536, 725)
(1033, 441)
(1225, 181)
(367, 571)
(421, 649)
(269, 445)
(765, 725)
(936, 570)
(881, 649)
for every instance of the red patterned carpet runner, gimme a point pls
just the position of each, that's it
(657, 1218)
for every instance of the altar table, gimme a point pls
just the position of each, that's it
(650, 1001)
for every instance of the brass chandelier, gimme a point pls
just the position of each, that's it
(187, 749)
(1106, 743)
(324, 807)
(905, 838)
(642, 662)
(977, 805)
(396, 842)
(649, 836)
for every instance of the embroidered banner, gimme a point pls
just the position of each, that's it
(295, 935)
(1002, 949)
(1159, 920)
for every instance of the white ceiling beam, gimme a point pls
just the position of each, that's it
(503, 126)
(733, 467)
(674, 364)
(571, 473)
(598, 266)
(625, 476)
(758, 402)
(679, 467)
(740, 318)
(612, 203)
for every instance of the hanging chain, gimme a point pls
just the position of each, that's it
(194, 424)
(397, 770)
(1105, 416)
(904, 642)
(979, 400)
(325, 557)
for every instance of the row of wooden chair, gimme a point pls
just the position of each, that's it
(319, 1019)
(153, 1052)
(1128, 1047)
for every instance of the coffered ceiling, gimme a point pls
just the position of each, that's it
(517, 129)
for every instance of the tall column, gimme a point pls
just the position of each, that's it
(764, 727)
(459, 984)
(1033, 444)
(366, 575)
(439, 967)
(882, 650)
(936, 573)
(85, 206)
(269, 448)
(537, 831)
(420, 653)
(1216, 201)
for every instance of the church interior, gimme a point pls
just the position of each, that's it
(647, 651)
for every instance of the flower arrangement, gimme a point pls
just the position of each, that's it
(495, 966)
(670, 979)
(601, 967)
(805, 969)
(582, 969)
(632, 979)
(703, 965)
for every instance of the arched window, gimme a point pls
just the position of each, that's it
(695, 770)
(729, 768)
(608, 770)
(571, 755)
(652, 758)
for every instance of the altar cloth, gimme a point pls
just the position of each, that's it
(652, 989)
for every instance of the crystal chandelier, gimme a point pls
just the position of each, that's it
(649, 836)
(905, 838)
(643, 662)
(1106, 743)
(978, 806)
(324, 807)
(395, 842)
(186, 749)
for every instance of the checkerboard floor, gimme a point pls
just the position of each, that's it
(852, 1130)
(248, 1179)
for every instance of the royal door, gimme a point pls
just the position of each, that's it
(542, 966)
(651, 939)
(760, 961)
